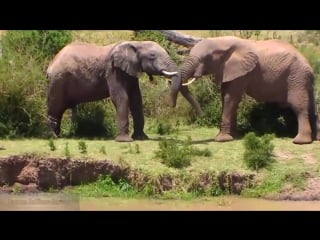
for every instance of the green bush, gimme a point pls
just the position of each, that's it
(94, 119)
(51, 145)
(36, 43)
(209, 98)
(258, 151)
(67, 150)
(25, 56)
(82, 146)
(22, 98)
(164, 127)
(263, 118)
(178, 154)
(174, 154)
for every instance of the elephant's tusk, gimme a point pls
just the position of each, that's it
(169, 73)
(191, 81)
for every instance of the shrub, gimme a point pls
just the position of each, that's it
(94, 119)
(258, 151)
(178, 155)
(66, 150)
(173, 154)
(82, 146)
(209, 98)
(37, 43)
(164, 128)
(25, 55)
(22, 98)
(263, 118)
(51, 145)
(103, 150)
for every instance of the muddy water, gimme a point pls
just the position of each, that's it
(66, 202)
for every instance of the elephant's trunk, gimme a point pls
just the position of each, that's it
(172, 67)
(188, 67)
(187, 70)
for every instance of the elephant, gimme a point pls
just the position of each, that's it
(83, 72)
(271, 71)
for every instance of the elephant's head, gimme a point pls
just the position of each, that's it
(135, 57)
(227, 58)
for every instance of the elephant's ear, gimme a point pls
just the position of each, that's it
(240, 62)
(125, 57)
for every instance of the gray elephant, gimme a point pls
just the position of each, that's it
(83, 72)
(267, 70)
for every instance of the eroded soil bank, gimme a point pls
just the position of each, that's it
(32, 174)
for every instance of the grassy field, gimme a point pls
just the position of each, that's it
(292, 161)
(141, 154)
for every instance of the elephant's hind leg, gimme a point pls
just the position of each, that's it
(301, 106)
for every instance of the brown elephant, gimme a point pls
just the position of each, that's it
(83, 72)
(267, 70)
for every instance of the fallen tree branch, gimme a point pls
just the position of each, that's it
(179, 38)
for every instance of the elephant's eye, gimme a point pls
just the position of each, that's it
(152, 55)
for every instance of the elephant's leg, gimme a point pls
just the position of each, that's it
(231, 96)
(54, 122)
(55, 113)
(136, 108)
(119, 98)
(301, 107)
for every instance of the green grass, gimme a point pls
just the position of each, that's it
(225, 156)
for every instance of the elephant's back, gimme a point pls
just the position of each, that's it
(78, 57)
(280, 47)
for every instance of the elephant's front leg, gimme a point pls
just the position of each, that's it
(136, 108)
(120, 100)
(231, 97)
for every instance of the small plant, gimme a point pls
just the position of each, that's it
(82, 146)
(102, 149)
(17, 189)
(51, 145)
(66, 150)
(258, 151)
(173, 154)
(178, 155)
(164, 128)
(137, 148)
(197, 152)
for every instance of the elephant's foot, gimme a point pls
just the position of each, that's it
(223, 137)
(302, 139)
(123, 138)
(140, 136)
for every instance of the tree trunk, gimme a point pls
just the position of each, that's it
(179, 38)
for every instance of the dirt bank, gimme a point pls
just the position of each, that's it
(31, 173)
